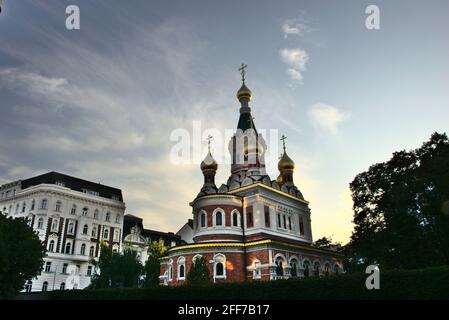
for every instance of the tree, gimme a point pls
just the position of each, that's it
(114, 269)
(21, 255)
(152, 266)
(399, 209)
(199, 273)
(323, 242)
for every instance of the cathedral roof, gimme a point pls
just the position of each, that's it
(246, 122)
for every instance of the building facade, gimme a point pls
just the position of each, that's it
(71, 216)
(139, 239)
(252, 227)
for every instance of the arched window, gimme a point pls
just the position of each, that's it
(203, 220)
(117, 218)
(306, 265)
(71, 228)
(316, 268)
(83, 249)
(24, 206)
(85, 211)
(219, 269)
(58, 206)
(94, 232)
(219, 266)
(218, 217)
(279, 266)
(73, 211)
(170, 270)
(68, 248)
(40, 223)
(279, 220)
(51, 246)
(91, 251)
(62, 286)
(235, 219)
(44, 204)
(17, 208)
(196, 257)
(33, 204)
(28, 286)
(294, 267)
(326, 269)
(85, 229)
(108, 216)
(289, 223)
(44, 286)
(96, 213)
(336, 269)
(181, 268)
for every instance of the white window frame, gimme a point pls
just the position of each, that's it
(58, 206)
(44, 204)
(235, 211)
(181, 262)
(170, 270)
(257, 272)
(71, 228)
(220, 258)
(40, 223)
(223, 217)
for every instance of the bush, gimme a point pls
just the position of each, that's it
(432, 283)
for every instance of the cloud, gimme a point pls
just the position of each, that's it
(294, 27)
(294, 74)
(296, 60)
(327, 117)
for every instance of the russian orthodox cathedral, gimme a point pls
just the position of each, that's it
(252, 227)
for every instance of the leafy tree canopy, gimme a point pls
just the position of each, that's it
(152, 267)
(115, 269)
(401, 209)
(21, 255)
(199, 273)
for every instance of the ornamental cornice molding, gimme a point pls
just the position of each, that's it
(67, 194)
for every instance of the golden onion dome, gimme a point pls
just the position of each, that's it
(209, 163)
(244, 92)
(286, 163)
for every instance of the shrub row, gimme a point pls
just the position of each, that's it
(431, 283)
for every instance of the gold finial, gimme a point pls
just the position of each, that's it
(283, 141)
(209, 139)
(243, 71)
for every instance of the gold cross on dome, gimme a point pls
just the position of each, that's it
(243, 71)
(283, 141)
(209, 139)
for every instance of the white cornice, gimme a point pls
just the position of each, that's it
(67, 193)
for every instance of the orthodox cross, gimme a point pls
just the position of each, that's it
(243, 71)
(209, 138)
(283, 141)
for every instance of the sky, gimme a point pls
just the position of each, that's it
(102, 102)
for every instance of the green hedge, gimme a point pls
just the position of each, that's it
(431, 283)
